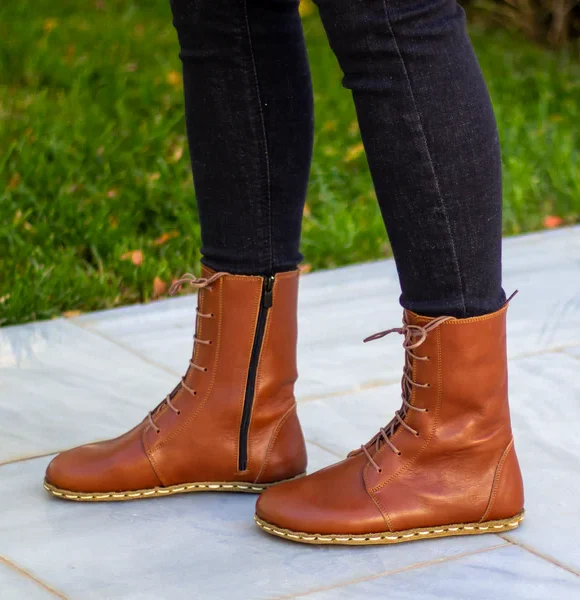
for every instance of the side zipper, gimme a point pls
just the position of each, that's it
(265, 305)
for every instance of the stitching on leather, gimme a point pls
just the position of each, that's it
(487, 317)
(168, 491)
(151, 459)
(512, 522)
(288, 274)
(496, 480)
(274, 437)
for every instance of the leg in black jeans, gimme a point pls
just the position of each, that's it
(425, 119)
(249, 115)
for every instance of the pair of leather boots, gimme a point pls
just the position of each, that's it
(445, 465)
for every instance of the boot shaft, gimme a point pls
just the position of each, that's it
(242, 373)
(462, 430)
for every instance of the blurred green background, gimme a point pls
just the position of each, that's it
(96, 199)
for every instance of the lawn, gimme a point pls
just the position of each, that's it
(96, 199)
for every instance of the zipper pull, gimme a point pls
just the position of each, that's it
(267, 298)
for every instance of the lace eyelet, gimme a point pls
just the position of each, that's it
(416, 434)
(158, 431)
(428, 385)
(205, 369)
(399, 453)
(212, 315)
(178, 412)
(380, 471)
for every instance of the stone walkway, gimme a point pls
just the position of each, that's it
(66, 382)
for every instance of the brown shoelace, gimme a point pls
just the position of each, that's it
(199, 283)
(411, 332)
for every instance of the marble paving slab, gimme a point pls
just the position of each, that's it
(182, 547)
(505, 572)
(545, 403)
(61, 385)
(66, 382)
(15, 585)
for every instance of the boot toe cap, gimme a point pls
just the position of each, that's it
(328, 502)
(113, 466)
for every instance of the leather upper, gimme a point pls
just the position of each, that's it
(200, 442)
(461, 467)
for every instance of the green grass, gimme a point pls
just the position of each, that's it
(94, 163)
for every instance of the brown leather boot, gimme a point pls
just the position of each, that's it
(231, 423)
(445, 465)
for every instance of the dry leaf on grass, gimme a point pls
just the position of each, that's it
(159, 287)
(174, 78)
(165, 237)
(552, 221)
(135, 256)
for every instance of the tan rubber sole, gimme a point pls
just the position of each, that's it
(183, 488)
(393, 537)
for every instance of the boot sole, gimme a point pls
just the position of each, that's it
(393, 537)
(183, 488)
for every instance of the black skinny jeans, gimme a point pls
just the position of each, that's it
(425, 118)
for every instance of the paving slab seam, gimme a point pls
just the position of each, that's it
(124, 347)
(362, 387)
(27, 575)
(319, 445)
(413, 567)
(566, 353)
(539, 554)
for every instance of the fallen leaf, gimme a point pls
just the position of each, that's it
(49, 24)
(177, 154)
(353, 128)
(69, 314)
(329, 126)
(307, 212)
(165, 237)
(304, 268)
(159, 287)
(112, 193)
(135, 256)
(552, 221)
(153, 177)
(174, 78)
(354, 152)
(4, 298)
